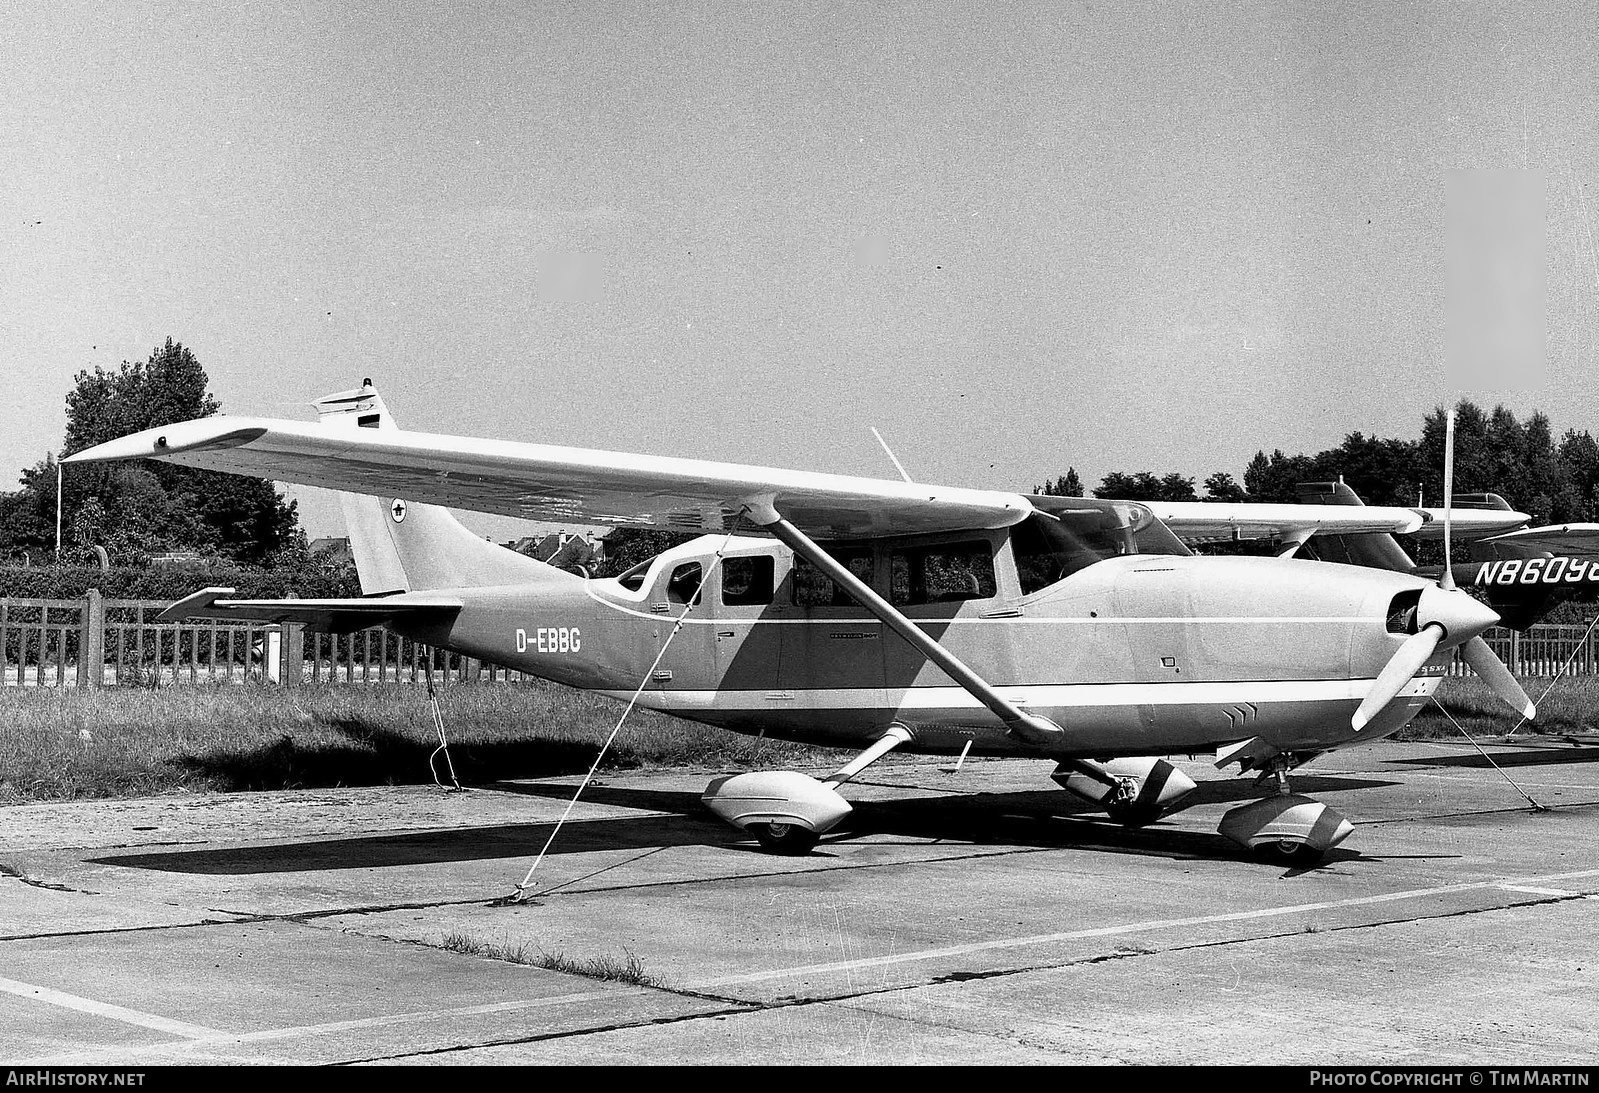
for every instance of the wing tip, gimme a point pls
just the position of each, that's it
(171, 440)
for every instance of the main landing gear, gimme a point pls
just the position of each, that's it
(1285, 827)
(1134, 792)
(789, 812)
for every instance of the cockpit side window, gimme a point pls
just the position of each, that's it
(684, 584)
(633, 579)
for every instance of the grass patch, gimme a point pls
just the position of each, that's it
(626, 969)
(1572, 706)
(67, 743)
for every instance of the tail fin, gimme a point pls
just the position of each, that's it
(404, 547)
(1375, 550)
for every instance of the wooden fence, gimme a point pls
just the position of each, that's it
(63, 643)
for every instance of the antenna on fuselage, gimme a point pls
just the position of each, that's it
(897, 464)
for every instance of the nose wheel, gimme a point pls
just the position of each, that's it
(781, 838)
(1286, 828)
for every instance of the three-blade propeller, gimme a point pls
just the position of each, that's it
(1440, 613)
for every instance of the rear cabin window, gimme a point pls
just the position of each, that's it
(813, 588)
(747, 580)
(942, 573)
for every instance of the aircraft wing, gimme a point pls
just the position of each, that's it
(558, 484)
(330, 616)
(1198, 522)
(1207, 522)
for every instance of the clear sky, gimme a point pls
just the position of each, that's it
(1012, 236)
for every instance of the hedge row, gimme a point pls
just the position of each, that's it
(168, 582)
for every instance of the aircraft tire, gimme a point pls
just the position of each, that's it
(1133, 815)
(789, 839)
(1289, 852)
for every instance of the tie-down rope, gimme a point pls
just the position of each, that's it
(1564, 668)
(522, 893)
(1536, 806)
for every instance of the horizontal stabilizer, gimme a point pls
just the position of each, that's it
(1554, 539)
(330, 616)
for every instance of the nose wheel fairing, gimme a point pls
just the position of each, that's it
(1287, 827)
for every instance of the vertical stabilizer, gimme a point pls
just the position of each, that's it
(1375, 550)
(404, 547)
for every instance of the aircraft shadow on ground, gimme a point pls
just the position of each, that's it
(1520, 757)
(430, 847)
(1240, 790)
(1036, 819)
(376, 756)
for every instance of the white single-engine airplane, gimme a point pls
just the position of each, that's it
(876, 614)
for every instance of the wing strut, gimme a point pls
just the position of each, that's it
(1025, 726)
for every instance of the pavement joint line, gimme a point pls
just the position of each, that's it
(128, 929)
(738, 1009)
(1126, 928)
(108, 1010)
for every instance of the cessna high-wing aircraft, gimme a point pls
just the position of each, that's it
(874, 614)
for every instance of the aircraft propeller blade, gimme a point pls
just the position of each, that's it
(1494, 673)
(1448, 580)
(1399, 670)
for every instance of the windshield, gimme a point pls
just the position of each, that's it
(1071, 533)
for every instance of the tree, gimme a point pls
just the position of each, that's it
(1256, 475)
(1221, 487)
(1579, 459)
(28, 515)
(132, 509)
(170, 386)
(1144, 486)
(1065, 485)
(626, 547)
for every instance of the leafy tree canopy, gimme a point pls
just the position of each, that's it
(1144, 486)
(135, 509)
(1495, 452)
(1065, 485)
